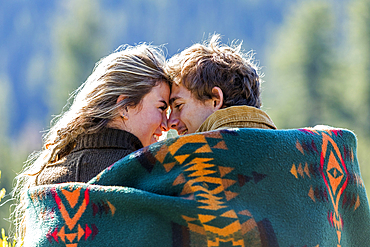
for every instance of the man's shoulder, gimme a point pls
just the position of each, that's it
(237, 117)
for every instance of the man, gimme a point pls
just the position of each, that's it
(215, 86)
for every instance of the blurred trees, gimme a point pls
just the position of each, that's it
(358, 63)
(79, 42)
(357, 88)
(5, 154)
(301, 62)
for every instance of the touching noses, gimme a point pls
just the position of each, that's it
(173, 121)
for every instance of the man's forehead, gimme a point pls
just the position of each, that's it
(179, 92)
(176, 87)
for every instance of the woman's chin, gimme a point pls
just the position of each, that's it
(154, 139)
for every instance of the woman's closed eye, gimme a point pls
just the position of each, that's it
(163, 108)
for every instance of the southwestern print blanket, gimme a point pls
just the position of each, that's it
(237, 187)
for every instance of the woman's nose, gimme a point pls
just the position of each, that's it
(164, 123)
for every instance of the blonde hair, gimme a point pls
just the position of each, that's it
(201, 67)
(131, 71)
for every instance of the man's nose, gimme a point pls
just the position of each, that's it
(172, 122)
(164, 124)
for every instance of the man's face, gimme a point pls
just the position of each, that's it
(187, 112)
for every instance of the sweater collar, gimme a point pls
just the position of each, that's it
(237, 117)
(108, 138)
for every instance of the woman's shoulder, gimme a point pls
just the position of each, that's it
(60, 172)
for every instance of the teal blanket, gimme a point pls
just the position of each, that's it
(238, 187)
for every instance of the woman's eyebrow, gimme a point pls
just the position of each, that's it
(164, 102)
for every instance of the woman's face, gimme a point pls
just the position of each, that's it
(148, 119)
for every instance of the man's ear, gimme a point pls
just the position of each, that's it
(218, 98)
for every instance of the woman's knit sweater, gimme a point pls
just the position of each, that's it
(91, 155)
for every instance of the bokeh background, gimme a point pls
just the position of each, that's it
(315, 56)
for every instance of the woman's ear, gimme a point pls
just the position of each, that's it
(120, 98)
(122, 111)
(218, 98)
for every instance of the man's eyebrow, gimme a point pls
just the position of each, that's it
(173, 100)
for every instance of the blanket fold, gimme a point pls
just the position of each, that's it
(237, 187)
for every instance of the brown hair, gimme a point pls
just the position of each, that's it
(201, 67)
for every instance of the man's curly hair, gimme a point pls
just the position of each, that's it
(201, 67)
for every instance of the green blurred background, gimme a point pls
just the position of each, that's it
(315, 56)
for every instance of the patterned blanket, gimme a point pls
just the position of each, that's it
(238, 187)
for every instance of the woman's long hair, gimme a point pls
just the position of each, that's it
(131, 71)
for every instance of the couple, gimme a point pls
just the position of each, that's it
(122, 107)
(236, 187)
(123, 104)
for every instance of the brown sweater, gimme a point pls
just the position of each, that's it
(92, 154)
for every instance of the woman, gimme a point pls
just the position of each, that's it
(119, 109)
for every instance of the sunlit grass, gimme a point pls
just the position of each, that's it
(4, 242)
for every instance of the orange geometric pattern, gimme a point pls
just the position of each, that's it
(198, 173)
(71, 222)
(333, 171)
(74, 200)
